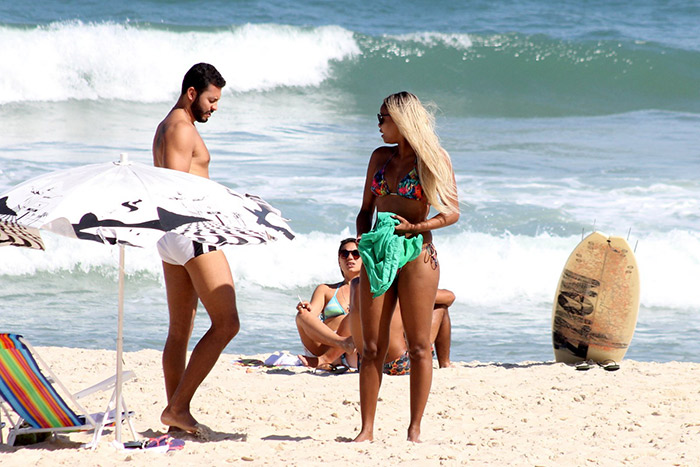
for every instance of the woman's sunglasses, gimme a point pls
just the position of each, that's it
(345, 253)
(380, 117)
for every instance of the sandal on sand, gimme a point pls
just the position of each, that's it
(609, 365)
(162, 443)
(250, 362)
(334, 369)
(583, 366)
(173, 444)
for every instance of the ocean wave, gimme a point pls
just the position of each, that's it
(496, 74)
(561, 205)
(517, 75)
(75, 60)
(484, 270)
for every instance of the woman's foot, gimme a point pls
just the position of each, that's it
(348, 345)
(307, 361)
(414, 435)
(363, 437)
(314, 362)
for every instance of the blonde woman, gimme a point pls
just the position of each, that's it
(403, 180)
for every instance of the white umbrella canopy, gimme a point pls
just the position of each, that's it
(126, 203)
(134, 204)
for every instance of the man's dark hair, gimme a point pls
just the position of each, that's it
(200, 76)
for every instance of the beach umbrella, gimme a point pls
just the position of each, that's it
(126, 203)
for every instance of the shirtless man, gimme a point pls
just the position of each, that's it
(192, 271)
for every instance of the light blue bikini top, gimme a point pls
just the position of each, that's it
(333, 308)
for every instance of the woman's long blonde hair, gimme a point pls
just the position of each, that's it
(417, 125)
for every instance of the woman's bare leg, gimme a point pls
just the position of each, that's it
(417, 286)
(332, 354)
(443, 336)
(375, 317)
(317, 337)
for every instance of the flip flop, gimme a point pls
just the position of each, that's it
(250, 362)
(164, 443)
(340, 369)
(609, 365)
(334, 369)
(583, 366)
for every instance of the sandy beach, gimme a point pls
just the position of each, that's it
(528, 413)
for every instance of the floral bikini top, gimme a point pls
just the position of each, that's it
(409, 186)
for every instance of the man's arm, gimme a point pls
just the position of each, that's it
(178, 146)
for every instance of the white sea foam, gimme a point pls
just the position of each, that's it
(642, 206)
(430, 39)
(483, 270)
(75, 60)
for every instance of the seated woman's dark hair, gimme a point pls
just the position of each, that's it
(345, 242)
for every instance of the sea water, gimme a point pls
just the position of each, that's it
(560, 118)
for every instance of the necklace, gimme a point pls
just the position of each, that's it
(342, 296)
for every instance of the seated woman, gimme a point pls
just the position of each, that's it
(396, 361)
(322, 324)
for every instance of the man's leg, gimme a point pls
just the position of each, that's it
(211, 277)
(182, 306)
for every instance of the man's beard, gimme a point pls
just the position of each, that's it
(200, 115)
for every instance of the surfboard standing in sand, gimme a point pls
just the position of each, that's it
(597, 301)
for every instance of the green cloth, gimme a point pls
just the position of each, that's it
(383, 252)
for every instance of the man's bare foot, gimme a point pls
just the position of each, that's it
(203, 432)
(446, 364)
(185, 422)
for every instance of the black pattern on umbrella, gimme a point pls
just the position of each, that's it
(166, 221)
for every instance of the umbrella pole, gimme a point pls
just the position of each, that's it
(120, 329)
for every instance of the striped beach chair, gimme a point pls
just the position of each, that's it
(33, 397)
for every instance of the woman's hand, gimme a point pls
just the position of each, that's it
(404, 227)
(303, 306)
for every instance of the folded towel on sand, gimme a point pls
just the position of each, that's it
(283, 358)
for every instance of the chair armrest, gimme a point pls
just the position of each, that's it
(105, 385)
